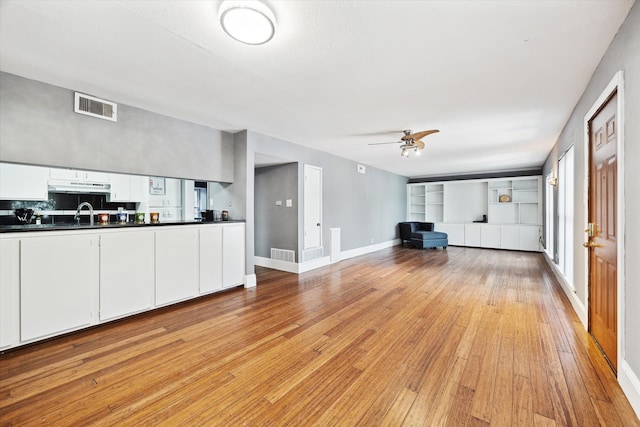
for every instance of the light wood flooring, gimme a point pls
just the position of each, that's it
(400, 337)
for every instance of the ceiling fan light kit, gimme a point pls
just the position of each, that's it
(247, 21)
(410, 142)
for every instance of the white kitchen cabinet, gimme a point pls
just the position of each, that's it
(177, 264)
(472, 235)
(9, 292)
(58, 284)
(23, 182)
(490, 236)
(210, 259)
(233, 255)
(139, 188)
(120, 188)
(128, 188)
(127, 275)
(455, 232)
(76, 175)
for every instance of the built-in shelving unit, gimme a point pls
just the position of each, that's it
(513, 209)
(515, 201)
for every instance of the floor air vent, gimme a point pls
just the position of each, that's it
(283, 255)
(95, 107)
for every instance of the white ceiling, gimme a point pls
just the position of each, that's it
(498, 78)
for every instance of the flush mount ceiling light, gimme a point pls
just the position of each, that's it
(248, 21)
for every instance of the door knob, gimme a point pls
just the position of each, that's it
(590, 244)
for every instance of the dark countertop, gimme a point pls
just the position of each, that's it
(97, 226)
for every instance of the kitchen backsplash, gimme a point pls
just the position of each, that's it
(59, 202)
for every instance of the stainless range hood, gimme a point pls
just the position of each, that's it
(78, 187)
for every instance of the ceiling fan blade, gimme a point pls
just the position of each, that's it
(419, 135)
(382, 143)
(419, 143)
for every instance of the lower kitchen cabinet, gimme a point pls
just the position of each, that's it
(58, 284)
(60, 281)
(210, 259)
(177, 264)
(233, 255)
(9, 291)
(127, 273)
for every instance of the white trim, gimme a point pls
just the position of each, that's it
(250, 281)
(630, 385)
(576, 303)
(293, 267)
(616, 84)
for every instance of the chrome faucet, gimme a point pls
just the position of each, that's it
(76, 217)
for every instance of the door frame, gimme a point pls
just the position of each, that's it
(616, 84)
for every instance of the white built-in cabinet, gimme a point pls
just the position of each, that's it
(232, 254)
(513, 207)
(53, 282)
(58, 284)
(128, 188)
(127, 273)
(177, 265)
(23, 182)
(211, 253)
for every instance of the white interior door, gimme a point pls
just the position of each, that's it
(312, 207)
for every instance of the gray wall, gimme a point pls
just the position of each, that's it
(622, 54)
(39, 127)
(367, 208)
(276, 226)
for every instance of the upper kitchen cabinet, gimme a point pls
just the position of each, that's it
(23, 182)
(75, 175)
(128, 188)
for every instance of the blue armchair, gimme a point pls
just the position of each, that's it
(422, 235)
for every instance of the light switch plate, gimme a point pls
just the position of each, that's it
(278, 202)
(289, 203)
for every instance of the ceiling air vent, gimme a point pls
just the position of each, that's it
(95, 107)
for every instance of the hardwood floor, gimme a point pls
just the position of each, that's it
(399, 337)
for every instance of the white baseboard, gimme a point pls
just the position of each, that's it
(276, 264)
(370, 248)
(293, 267)
(578, 306)
(630, 385)
(627, 379)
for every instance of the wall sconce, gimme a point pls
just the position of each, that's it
(552, 181)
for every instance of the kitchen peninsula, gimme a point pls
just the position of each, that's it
(59, 279)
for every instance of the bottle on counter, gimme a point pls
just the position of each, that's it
(38, 217)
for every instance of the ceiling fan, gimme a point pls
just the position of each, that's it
(410, 141)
